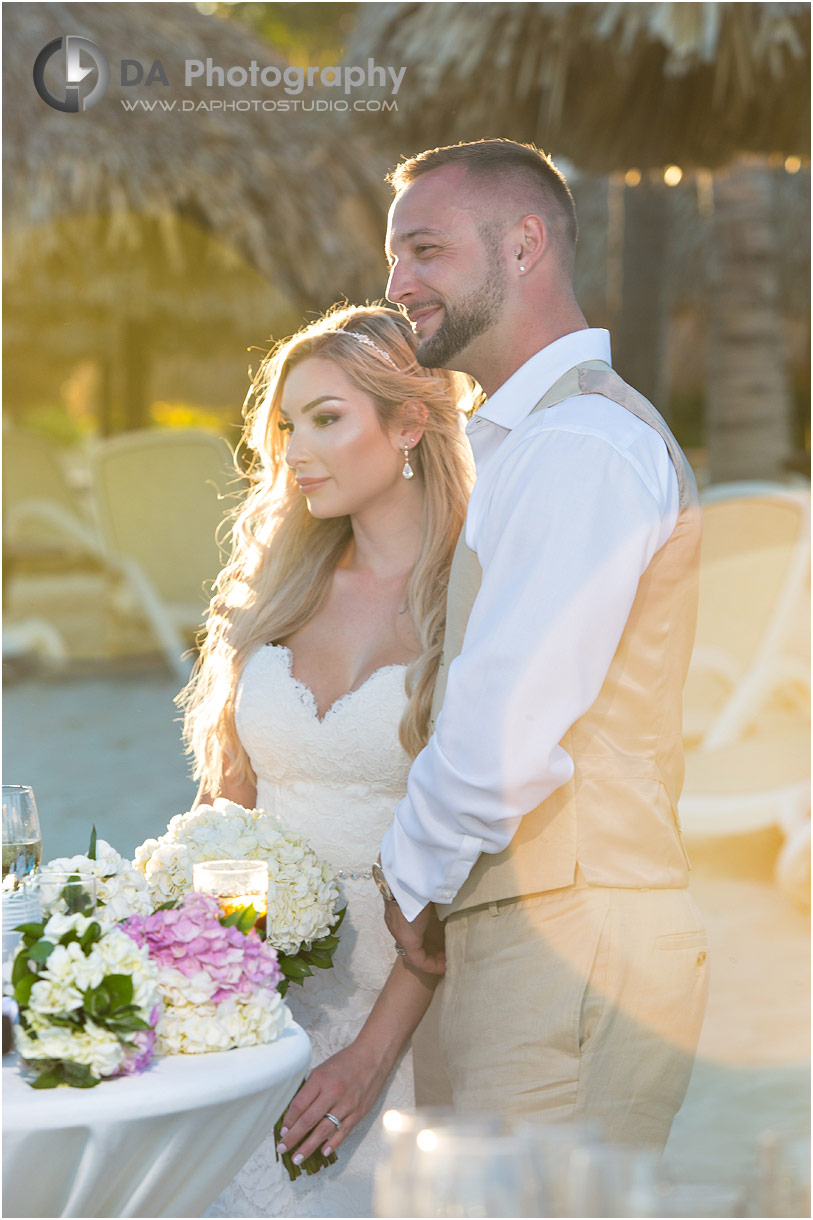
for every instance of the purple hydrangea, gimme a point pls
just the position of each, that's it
(190, 938)
(144, 1047)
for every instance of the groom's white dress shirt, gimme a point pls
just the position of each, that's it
(569, 506)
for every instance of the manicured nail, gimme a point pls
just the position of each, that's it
(326, 1151)
(283, 1130)
(298, 1159)
(282, 1147)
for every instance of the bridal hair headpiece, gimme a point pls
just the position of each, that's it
(354, 334)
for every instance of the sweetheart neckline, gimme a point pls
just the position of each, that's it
(310, 700)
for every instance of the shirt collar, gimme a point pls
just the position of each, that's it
(517, 396)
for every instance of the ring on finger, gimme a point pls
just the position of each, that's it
(399, 950)
(336, 1122)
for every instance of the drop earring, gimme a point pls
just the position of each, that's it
(407, 472)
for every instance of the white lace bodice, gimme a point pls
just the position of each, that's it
(337, 779)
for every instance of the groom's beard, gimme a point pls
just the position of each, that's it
(462, 323)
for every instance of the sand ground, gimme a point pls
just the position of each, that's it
(102, 746)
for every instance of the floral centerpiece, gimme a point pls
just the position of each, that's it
(303, 893)
(155, 967)
(218, 984)
(88, 1001)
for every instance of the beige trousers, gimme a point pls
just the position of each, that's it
(584, 1002)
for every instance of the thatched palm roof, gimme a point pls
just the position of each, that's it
(609, 85)
(287, 192)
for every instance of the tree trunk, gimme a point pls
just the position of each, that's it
(749, 402)
(135, 374)
(640, 354)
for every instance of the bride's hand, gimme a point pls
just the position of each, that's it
(346, 1086)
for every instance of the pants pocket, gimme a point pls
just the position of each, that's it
(683, 940)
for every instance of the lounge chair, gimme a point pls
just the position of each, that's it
(44, 527)
(747, 697)
(160, 497)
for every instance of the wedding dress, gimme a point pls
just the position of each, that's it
(337, 779)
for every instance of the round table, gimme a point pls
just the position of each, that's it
(164, 1143)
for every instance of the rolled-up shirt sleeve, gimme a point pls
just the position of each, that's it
(563, 531)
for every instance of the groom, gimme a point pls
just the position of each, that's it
(540, 823)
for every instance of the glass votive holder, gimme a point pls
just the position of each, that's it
(236, 884)
(66, 892)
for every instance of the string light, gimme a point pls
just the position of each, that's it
(672, 175)
(632, 177)
(793, 164)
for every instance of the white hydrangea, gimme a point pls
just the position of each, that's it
(197, 1028)
(120, 888)
(66, 973)
(100, 1049)
(303, 893)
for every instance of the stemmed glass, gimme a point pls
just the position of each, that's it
(22, 852)
(438, 1163)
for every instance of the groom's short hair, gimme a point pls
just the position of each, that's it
(503, 165)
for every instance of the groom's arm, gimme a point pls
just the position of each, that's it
(569, 525)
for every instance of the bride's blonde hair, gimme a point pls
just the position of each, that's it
(282, 558)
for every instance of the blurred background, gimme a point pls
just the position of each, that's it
(155, 246)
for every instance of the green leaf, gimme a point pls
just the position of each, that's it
(293, 968)
(31, 929)
(311, 1165)
(69, 1019)
(91, 934)
(323, 961)
(97, 1002)
(22, 989)
(168, 906)
(243, 918)
(79, 1075)
(119, 988)
(92, 848)
(127, 1024)
(75, 898)
(47, 1080)
(40, 951)
(327, 942)
(21, 968)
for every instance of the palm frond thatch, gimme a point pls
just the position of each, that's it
(608, 85)
(288, 191)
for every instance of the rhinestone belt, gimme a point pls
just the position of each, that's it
(344, 875)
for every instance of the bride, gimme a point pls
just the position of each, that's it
(313, 690)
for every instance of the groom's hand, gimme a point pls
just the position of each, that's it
(421, 940)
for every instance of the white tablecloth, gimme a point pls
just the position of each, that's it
(164, 1143)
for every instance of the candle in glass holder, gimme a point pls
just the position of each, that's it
(236, 884)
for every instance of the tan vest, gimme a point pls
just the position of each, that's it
(616, 818)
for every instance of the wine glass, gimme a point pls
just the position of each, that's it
(22, 852)
(438, 1163)
(550, 1146)
(783, 1175)
(613, 1180)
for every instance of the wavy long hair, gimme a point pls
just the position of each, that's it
(282, 559)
